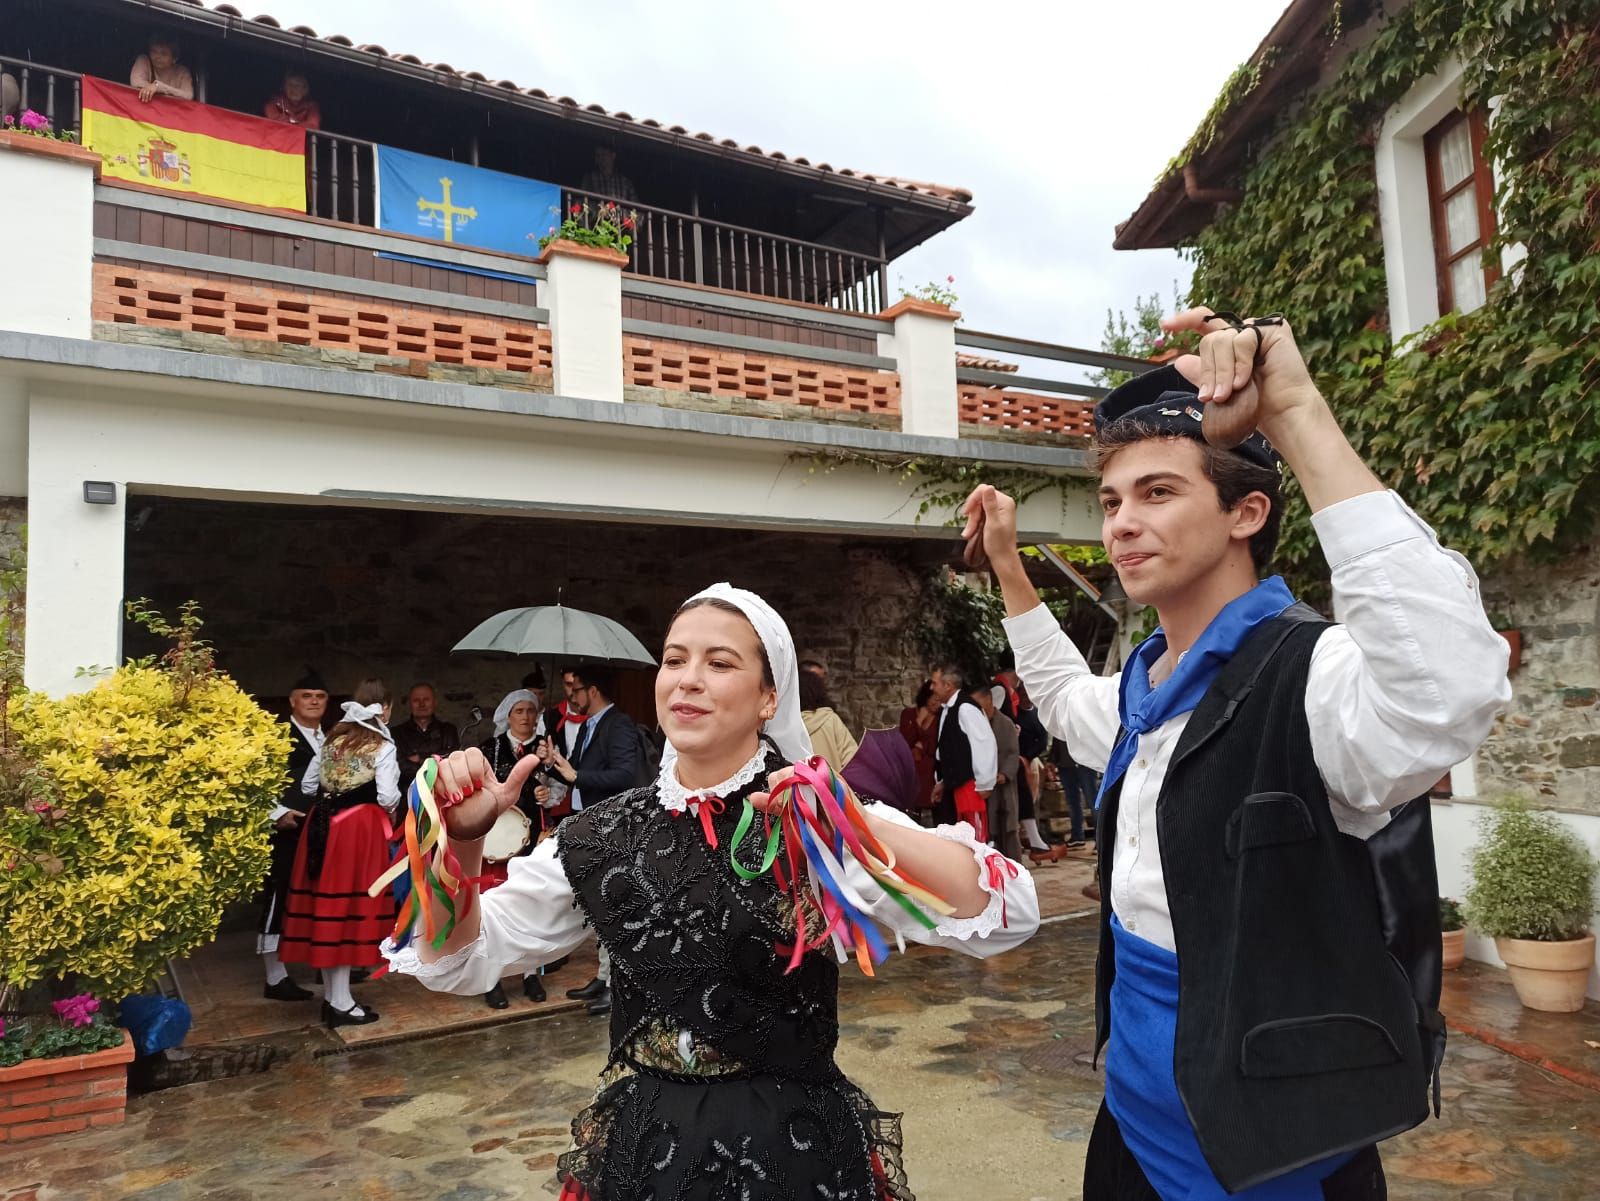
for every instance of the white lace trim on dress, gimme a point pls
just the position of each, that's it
(675, 798)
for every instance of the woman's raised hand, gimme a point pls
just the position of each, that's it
(762, 801)
(469, 795)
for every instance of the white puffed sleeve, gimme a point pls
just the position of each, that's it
(531, 919)
(1010, 919)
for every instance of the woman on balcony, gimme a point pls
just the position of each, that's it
(721, 1080)
(293, 104)
(157, 72)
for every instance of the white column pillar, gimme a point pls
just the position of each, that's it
(924, 345)
(47, 209)
(75, 554)
(583, 291)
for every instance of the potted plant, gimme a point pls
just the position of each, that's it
(1533, 893)
(62, 1072)
(602, 226)
(1453, 932)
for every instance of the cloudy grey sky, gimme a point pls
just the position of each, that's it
(1057, 114)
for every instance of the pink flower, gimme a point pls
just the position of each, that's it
(76, 1011)
(37, 122)
(9, 121)
(949, 279)
(2, 1027)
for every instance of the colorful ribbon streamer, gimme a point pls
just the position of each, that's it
(425, 867)
(815, 820)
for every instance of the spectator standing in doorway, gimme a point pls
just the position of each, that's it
(1002, 812)
(422, 735)
(308, 702)
(965, 765)
(157, 72)
(919, 726)
(829, 736)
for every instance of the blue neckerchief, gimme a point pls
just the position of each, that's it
(1143, 708)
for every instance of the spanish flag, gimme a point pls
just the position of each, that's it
(194, 148)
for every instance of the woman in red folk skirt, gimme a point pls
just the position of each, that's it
(330, 922)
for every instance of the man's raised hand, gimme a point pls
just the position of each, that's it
(991, 528)
(1249, 377)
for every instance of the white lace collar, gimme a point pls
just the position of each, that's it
(675, 798)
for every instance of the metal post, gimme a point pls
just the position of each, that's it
(694, 211)
(883, 260)
(474, 150)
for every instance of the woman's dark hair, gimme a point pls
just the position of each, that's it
(371, 691)
(1234, 477)
(713, 602)
(924, 694)
(813, 692)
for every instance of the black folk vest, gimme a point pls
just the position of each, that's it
(1308, 960)
(954, 761)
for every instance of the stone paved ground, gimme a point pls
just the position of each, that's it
(986, 1058)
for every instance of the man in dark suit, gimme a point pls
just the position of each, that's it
(605, 761)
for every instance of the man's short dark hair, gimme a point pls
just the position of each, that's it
(813, 692)
(951, 672)
(534, 680)
(1234, 477)
(598, 676)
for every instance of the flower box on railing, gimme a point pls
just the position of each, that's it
(599, 254)
(28, 143)
(44, 1097)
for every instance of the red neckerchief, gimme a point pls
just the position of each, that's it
(567, 719)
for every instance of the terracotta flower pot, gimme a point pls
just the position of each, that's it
(1455, 947)
(41, 1098)
(1549, 976)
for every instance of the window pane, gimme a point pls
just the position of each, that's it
(1461, 220)
(1466, 283)
(1455, 155)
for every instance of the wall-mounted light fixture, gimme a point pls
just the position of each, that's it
(99, 492)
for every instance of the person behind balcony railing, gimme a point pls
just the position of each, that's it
(157, 72)
(10, 95)
(604, 180)
(293, 104)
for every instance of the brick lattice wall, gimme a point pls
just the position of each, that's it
(1028, 411)
(241, 309)
(713, 371)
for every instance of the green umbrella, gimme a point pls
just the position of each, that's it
(557, 632)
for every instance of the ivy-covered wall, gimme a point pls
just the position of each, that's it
(1487, 423)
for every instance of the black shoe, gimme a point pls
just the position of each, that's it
(533, 988)
(555, 965)
(286, 990)
(588, 992)
(600, 1005)
(335, 1018)
(495, 998)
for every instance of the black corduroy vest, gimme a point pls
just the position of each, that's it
(1308, 960)
(954, 760)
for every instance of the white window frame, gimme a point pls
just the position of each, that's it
(1404, 217)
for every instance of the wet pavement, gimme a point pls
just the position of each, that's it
(987, 1059)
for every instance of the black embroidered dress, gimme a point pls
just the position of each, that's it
(721, 1083)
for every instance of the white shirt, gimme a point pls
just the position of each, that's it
(1402, 691)
(533, 918)
(314, 736)
(980, 737)
(387, 770)
(587, 727)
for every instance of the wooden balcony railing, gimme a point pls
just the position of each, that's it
(55, 92)
(686, 248)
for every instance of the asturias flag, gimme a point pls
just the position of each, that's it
(194, 148)
(468, 206)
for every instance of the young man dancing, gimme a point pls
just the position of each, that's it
(1269, 958)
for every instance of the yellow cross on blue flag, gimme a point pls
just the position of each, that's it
(463, 205)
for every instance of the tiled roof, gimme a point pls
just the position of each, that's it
(976, 362)
(939, 191)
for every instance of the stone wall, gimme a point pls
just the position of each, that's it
(387, 592)
(13, 516)
(1546, 745)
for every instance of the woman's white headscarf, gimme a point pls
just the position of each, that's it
(368, 717)
(502, 715)
(786, 728)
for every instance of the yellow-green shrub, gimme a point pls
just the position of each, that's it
(148, 817)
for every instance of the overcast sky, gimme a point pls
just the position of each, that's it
(1057, 114)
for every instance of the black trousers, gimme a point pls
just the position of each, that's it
(1110, 1173)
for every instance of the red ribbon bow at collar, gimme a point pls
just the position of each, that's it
(705, 807)
(996, 870)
